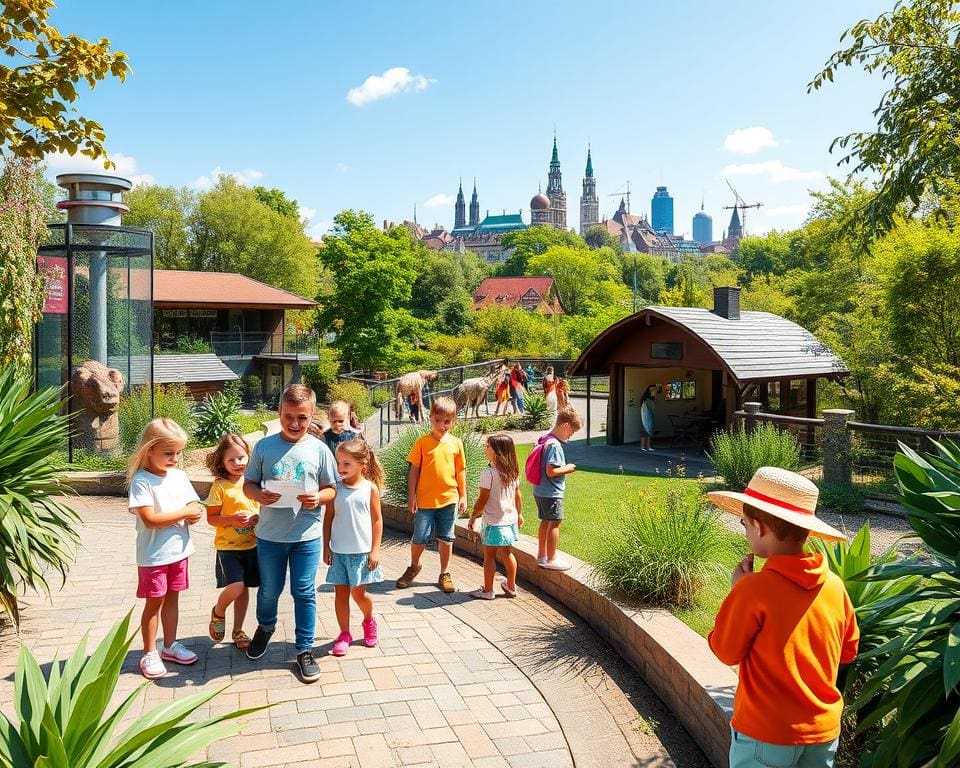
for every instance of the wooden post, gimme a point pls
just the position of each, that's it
(750, 422)
(588, 409)
(837, 464)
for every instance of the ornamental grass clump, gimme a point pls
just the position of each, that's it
(63, 719)
(663, 548)
(737, 454)
(396, 468)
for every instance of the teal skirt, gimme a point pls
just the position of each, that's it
(500, 535)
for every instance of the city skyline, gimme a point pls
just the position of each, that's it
(341, 112)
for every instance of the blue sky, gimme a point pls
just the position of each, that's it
(684, 94)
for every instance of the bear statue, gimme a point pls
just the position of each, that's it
(96, 393)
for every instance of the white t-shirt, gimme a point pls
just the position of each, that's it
(501, 507)
(351, 532)
(169, 493)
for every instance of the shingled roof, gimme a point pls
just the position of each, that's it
(757, 346)
(174, 288)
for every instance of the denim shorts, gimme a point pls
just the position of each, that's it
(746, 752)
(430, 524)
(500, 535)
(548, 508)
(352, 570)
(236, 565)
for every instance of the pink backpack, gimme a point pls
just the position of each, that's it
(533, 468)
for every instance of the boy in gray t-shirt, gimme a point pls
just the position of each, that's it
(289, 537)
(548, 493)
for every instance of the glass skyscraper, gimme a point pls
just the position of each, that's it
(661, 211)
(702, 227)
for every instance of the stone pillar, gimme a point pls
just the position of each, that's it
(837, 465)
(750, 422)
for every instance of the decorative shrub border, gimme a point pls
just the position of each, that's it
(673, 659)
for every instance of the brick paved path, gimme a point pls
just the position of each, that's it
(454, 682)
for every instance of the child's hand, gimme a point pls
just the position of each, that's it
(242, 520)
(309, 500)
(327, 555)
(571, 467)
(519, 521)
(373, 560)
(195, 511)
(744, 567)
(412, 506)
(462, 506)
(470, 525)
(266, 497)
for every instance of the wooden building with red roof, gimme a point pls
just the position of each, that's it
(534, 294)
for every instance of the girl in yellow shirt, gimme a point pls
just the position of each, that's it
(235, 517)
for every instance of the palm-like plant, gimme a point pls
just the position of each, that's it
(63, 719)
(218, 415)
(37, 532)
(909, 680)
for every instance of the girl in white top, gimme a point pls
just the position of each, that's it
(500, 504)
(165, 506)
(352, 530)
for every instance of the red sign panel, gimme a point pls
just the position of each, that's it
(54, 271)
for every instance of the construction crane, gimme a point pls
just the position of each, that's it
(620, 193)
(740, 204)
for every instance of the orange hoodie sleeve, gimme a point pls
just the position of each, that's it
(736, 625)
(851, 636)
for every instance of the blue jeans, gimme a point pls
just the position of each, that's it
(750, 753)
(516, 397)
(430, 524)
(304, 559)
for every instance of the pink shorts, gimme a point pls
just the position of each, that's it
(157, 580)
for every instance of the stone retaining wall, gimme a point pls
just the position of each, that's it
(673, 659)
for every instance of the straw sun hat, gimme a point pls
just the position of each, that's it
(783, 494)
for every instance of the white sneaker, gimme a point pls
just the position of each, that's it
(481, 594)
(542, 562)
(557, 565)
(151, 667)
(178, 653)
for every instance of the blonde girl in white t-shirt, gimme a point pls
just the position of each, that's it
(165, 506)
(499, 503)
(352, 530)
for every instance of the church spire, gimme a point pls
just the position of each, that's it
(589, 172)
(474, 206)
(460, 209)
(555, 158)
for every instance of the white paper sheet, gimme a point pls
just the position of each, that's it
(288, 490)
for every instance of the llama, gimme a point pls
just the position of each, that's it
(411, 383)
(472, 392)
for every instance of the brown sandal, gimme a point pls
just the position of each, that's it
(241, 639)
(218, 625)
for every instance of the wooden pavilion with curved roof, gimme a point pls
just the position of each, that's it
(707, 363)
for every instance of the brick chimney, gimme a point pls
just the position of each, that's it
(726, 302)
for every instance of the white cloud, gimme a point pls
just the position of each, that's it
(749, 141)
(393, 81)
(440, 201)
(342, 168)
(245, 177)
(306, 214)
(125, 166)
(775, 171)
(785, 210)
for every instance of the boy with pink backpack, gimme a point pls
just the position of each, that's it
(546, 469)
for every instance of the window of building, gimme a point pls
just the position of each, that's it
(666, 350)
(680, 390)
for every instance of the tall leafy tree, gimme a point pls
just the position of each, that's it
(39, 72)
(232, 231)
(530, 242)
(373, 272)
(22, 228)
(166, 212)
(275, 198)
(914, 49)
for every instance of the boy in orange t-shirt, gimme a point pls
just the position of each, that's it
(437, 491)
(789, 627)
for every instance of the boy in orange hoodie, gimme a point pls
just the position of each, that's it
(789, 627)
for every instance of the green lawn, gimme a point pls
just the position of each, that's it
(589, 490)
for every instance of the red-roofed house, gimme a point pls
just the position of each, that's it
(241, 320)
(535, 294)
